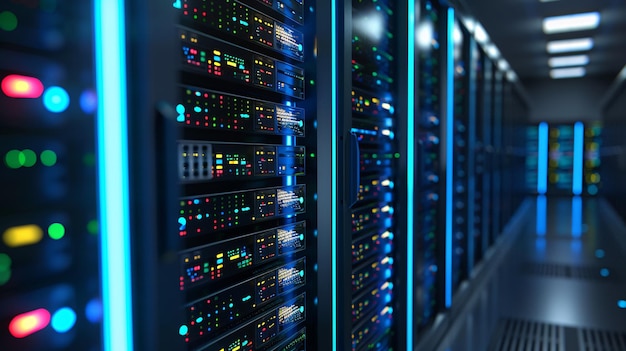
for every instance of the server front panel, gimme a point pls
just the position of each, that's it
(373, 221)
(246, 215)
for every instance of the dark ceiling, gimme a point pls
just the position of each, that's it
(515, 26)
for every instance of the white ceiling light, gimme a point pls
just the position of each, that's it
(503, 65)
(492, 51)
(558, 46)
(571, 23)
(573, 72)
(567, 61)
(511, 76)
(480, 34)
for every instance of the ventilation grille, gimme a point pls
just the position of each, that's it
(601, 340)
(529, 336)
(564, 271)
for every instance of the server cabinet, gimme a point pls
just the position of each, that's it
(246, 167)
(462, 157)
(50, 282)
(477, 59)
(592, 160)
(496, 138)
(487, 122)
(369, 260)
(429, 216)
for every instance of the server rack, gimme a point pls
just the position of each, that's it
(370, 288)
(247, 209)
(592, 160)
(462, 162)
(496, 139)
(50, 288)
(429, 246)
(487, 118)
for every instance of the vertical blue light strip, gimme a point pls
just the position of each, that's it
(110, 52)
(541, 215)
(410, 154)
(333, 185)
(577, 216)
(579, 137)
(289, 180)
(542, 162)
(449, 149)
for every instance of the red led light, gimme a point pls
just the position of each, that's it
(17, 86)
(28, 323)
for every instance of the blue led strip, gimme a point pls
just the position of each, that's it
(577, 216)
(542, 213)
(579, 137)
(449, 148)
(542, 162)
(410, 152)
(289, 180)
(110, 54)
(333, 185)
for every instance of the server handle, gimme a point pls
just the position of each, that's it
(166, 178)
(355, 170)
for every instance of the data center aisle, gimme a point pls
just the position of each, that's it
(560, 287)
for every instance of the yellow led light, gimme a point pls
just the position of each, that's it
(22, 235)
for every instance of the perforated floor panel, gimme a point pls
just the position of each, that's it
(523, 335)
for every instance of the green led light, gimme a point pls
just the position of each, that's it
(396, 155)
(48, 158)
(312, 82)
(5, 276)
(12, 159)
(92, 227)
(312, 155)
(8, 21)
(56, 231)
(5, 262)
(28, 158)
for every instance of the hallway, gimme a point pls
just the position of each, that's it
(561, 286)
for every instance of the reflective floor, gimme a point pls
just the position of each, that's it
(561, 286)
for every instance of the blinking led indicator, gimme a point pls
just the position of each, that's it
(28, 323)
(18, 86)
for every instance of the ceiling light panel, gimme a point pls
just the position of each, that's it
(573, 72)
(570, 45)
(571, 23)
(568, 61)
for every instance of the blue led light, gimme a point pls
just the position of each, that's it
(604, 272)
(621, 303)
(542, 162)
(56, 99)
(63, 320)
(178, 4)
(183, 330)
(333, 184)
(577, 216)
(93, 311)
(542, 213)
(577, 178)
(110, 50)
(410, 175)
(180, 109)
(88, 101)
(449, 155)
(600, 253)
